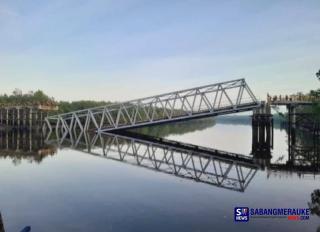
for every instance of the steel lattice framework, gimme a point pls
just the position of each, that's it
(225, 170)
(216, 99)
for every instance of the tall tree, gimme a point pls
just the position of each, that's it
(318, 74)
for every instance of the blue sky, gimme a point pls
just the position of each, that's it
(119, 50)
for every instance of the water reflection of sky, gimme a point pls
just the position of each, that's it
(233, 138)
(74, 191)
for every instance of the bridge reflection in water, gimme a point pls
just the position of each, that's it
(210, 166)
(206, 165)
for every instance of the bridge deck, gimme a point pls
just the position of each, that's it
(211, 100)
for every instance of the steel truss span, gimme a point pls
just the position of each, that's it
(216, 99)
(223, 169)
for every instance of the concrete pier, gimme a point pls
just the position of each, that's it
(262, 134)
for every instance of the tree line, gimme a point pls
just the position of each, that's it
(33, 99)
(316, 93)
(17, 98)
(314, 110)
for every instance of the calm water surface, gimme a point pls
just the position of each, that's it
(67, 189)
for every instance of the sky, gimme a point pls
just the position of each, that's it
(124, 49)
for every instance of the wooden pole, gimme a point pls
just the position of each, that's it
(7, 118)
(18, 117)
(12, 118)
(7, 140)
(25, 117)
(30, 119)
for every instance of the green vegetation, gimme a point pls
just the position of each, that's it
(28, 99)
(17, 98)
(314, 110)
(316, 94)
(65, 106)
(176, 128)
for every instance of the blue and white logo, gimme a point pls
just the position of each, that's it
(241, 214)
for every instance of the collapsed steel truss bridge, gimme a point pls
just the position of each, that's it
(211, 100)
(219, 168)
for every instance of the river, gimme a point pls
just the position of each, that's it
(72, 184)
